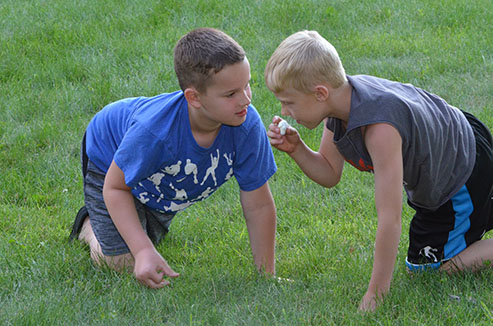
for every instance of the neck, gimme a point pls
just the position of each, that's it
(339, 102)
(204, 131)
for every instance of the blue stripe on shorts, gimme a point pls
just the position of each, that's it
(463, 207)
(456, 243)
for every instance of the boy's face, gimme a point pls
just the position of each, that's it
(302, 107)
(226, 100)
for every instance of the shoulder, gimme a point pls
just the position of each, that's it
(375, 99)
(159, 105)
(367, 88)
(156, 122)
(161, 113)
(140, 107)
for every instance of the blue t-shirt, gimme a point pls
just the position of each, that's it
(150, 140)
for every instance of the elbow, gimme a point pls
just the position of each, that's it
(329, 182)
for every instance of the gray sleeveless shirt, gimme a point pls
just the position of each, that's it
(438, 145)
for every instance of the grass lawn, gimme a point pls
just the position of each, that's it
(62, 61)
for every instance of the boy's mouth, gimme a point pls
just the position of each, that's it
(242, 113)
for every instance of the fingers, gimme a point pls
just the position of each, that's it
(154, 282)
(370, 302)
(274, 132)
(152, 279)
(274, 135)
(277, 131)
(276, 119)
(155, 279)
(168, 271)
(282, 136)
(153, 276)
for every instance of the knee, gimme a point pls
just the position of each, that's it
(119, 263)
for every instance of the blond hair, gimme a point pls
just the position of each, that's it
(302, 61)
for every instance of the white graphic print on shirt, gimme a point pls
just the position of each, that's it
(191, 168)
(212, 169)
(173, 188)
(173, 169)
(230, 163)
(181, 194)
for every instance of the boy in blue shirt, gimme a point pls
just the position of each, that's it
(146, 158)
(404, 136)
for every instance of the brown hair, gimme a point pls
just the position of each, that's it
(203, 52)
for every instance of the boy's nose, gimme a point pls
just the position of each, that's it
(284, 112)
(247, 98)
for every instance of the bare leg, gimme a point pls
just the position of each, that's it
(119, 263)
(472, 258)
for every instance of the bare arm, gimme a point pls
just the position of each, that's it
(324, 167)
(260, 215)
(120, 204)
(384, 145)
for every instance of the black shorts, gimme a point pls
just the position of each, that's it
(436, 236)
(155, 223)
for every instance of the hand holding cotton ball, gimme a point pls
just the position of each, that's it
(283, 125)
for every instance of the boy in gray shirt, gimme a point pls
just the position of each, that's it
(404, 136)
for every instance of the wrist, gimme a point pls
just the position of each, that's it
(297, 150)
(143, 250)
(377, 291)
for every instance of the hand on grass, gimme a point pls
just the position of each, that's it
(370, 302)
(287, 142)
(150, 269)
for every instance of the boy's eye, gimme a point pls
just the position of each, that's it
(230, 95)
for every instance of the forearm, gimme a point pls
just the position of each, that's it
(262, 232)
(121, 206)
(260, 216)
(386, 245)
(315, 166)
(149, 267)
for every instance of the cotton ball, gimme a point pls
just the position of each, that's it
(283, 125)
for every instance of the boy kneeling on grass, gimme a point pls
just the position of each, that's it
(404, 136)
(146, 158)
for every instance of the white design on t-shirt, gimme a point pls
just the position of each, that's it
(230, 163)
(205, 193)
(191, 168)
(142, 197)
(177, 207)
(228, 159)
(212, 169)
(156, 178)
(173, 169)
(229, 175)
(181, 194)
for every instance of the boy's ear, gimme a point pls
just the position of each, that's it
(321, 93)
(192, 97)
